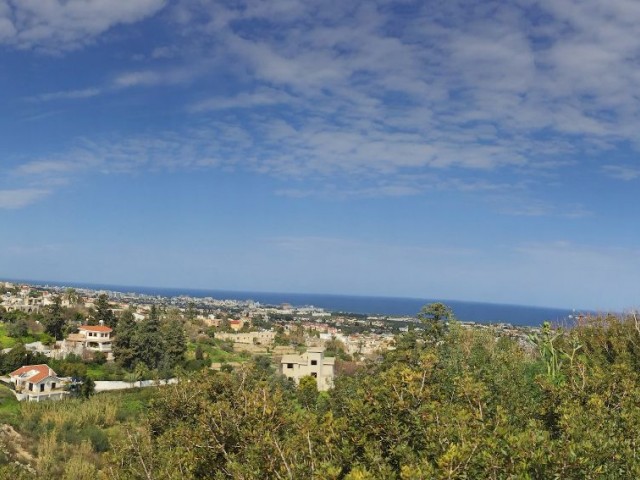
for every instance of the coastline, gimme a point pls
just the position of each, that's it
(478, 312)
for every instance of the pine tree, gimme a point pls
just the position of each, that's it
(123, 343)
(175, 342)
(104, 313)
(147, 342)
(54, 320)
(88, 387)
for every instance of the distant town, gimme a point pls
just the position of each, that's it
(251, 327)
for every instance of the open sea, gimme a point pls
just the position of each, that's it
(396, 306)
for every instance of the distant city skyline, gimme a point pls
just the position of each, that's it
(470, 150)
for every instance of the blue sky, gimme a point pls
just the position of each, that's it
(441, 149)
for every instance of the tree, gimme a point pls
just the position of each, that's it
(191, 312)
(13, 316)
(99, 358)
(88, 387)
(123, 343)
(103, 314)
(54, 321)
(175, 344)
(71, 294)
(308, 392)
(17, 357)
(336, 348)
(18, 329)
(434, 318)
(199, 354)
(141, 371)
(147, 343)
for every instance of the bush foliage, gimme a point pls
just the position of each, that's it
(447, 403)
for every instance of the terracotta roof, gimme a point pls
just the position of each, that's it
(95, 328)
(37, 372)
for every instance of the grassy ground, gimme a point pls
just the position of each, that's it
(5, 340)
(132, 402)
(216, 354)
(9, 406)
(9, 342)
(97, 372)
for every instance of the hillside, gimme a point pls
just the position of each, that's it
(447, 403)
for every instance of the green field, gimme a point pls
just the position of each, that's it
(216, 354)
(9, 406)
(9, 342)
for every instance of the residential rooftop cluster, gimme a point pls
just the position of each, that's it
(298, 340)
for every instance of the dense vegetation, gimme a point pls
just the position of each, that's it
(68, 439)
(448, 402)
(445, 404)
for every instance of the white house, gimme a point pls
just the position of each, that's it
(94, 338)
(37, 383)
(97, 337)
(311, 363)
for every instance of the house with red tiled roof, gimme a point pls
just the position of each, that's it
(97, 338)
(37, 382)
(90, 339)
(236, 325)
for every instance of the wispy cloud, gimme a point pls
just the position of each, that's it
(56, 25)
(481, 88)
(67, 95)
(260, 98)
(174, 75)
(21, 197)
(523, 207)
(622, 172)
(352, 95)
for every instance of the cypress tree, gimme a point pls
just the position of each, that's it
(123, 343)
(148, 346)
(175, 342)
(54, 320)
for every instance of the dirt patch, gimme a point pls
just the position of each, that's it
(15, 444)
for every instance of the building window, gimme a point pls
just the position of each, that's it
(42, 387)
(314, 362)
(314, 375)
(53, 386)
(289, 365)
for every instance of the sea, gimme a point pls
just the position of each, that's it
(478, 312)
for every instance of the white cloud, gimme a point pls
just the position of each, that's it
(67, 95)
(345, 90)
(132, 79)
(168, 76)
(58, 25)
(484, 88)
(260, 98)
(170, 51)
(21, 197)
(622, 172)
